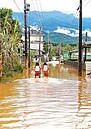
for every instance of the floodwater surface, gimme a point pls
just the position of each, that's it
(61, 101)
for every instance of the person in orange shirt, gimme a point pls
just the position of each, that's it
(37, 70)
(45, 69)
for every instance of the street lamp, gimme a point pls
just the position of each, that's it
(27, 7)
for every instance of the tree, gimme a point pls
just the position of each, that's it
(67, 48)
(10, 38)
(45, 47)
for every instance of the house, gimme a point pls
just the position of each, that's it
(86, 56)
(36, 43)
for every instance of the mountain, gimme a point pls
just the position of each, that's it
(63, 26)
(60, 38)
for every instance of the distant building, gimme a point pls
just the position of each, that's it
(86, 56)
(35, 40)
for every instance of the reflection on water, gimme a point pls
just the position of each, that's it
(62, 101)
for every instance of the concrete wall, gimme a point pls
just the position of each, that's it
(74, 64)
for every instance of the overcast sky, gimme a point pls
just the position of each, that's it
(66, 6)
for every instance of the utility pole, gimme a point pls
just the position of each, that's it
(40, 44)
(49, 47)
(49, 51)
(29, 47)
(80, 40)
(85, 47)
(48, 43)
(60, 52)
(26, 60)
(26, 8)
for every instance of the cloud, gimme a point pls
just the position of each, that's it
(62, 30)
(88, 32)
(65, 6)
(67, 31)
(72, 32)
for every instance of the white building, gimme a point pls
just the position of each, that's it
(35, 39)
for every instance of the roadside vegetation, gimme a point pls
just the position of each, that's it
(55, 50)
(9, 43)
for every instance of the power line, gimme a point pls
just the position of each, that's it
(17, 5)
(35, 12)
(87, 3)
(37, 6)
(18, 8)
(39, 13)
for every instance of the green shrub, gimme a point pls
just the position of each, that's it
(18, 67)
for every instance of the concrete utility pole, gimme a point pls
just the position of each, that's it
(48, 43)
(85, 47)
(40, 44)
(60, 52)
(49, 47)
(80, 40)
(29, 47)
(26, 60)
(26, 8)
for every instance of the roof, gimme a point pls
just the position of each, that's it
(88, 42)
(86, 45)
(74, 51)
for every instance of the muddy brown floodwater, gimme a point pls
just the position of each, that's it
(61, 101)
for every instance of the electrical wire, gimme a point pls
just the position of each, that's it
(36, 13)
(40, 16)
(87, 3)
(37, 6)
(41, 23)
(41, 13)
(70, 26)
(17, 5)
(75, 18)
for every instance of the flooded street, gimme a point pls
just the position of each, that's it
(61, 101)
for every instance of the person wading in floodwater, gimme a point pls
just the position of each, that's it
(37, 70)
(45, 69)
